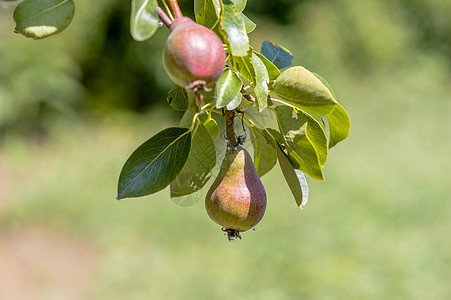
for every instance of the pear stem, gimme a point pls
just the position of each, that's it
(164, 17)
(229, 116)
(175, 8)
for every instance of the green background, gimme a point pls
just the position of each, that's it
(74, 106)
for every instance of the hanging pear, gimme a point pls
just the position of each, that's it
(237, 198)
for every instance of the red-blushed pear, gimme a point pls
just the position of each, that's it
(237, 198)
(193, 53)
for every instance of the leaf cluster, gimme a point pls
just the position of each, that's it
(310, 121)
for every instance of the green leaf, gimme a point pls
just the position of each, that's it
(239, 4)
(295, 179)
(178, 98)
(243, 65)
(228, 87)
(273, 71)
(211, 125)
(38, 19)
(207, 12)
(265, 156)
(235, 102)
(144, 19)
(233, 29)
(303, 150)
(338, 119)
(199, 165)
(261, 82)
(249, 24)
(339, 125)
(301, 88)
(155, 164)
(280, 56)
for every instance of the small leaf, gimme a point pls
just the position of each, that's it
(233, 29)
(155, 164)
(301, 88)
(211, 125)
(249, 24)
(338, 119)
(144, 19)
(38, 19)
(243, 65)
(261, 82)
(178, 98)
(199, 165)
(278, 55)
(273, 71)
(295, 179)
(301, 149)
(228, 87)
(265, 156)
(235, 102)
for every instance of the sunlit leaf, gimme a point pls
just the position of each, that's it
(178, 98)
(234, 29)
(261, 82)
(338, 119)
(299, 87)
(295, 179)
(199, 165)
(249, 24)
(278, 55)
(144, 19)
(155, 164)
(265, 156)
(243, 65)
(301, 148)
(38, 19)
(228, 88)
(211, 125)
(273, 71)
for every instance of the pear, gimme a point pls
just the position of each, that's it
(237, 198)
(193, 53)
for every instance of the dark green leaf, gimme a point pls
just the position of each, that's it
(278, 55)
(199, 165)
(178, 98)
(144, 19)
(265, 156)
(301, 149)
(233, 29)
(155, 164)
(295, 179)
(273, 71)
(261, 82)
(299, 87)
(38, 19)
(250, 25)
(228, 88)
(338, 119)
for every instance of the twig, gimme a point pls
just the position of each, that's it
(164, 17)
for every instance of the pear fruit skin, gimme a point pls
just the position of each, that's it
(193, 52)
(237, 198)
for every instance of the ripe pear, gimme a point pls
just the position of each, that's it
(237, 198)
(193, 53)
